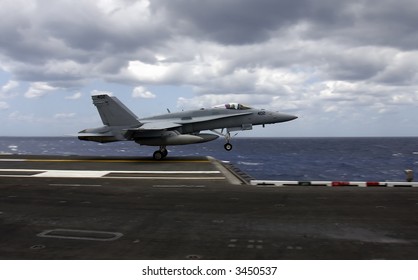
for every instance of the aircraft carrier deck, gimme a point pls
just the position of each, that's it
(191, 208)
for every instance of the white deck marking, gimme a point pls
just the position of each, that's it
(71, 174)
(91, 235)
(74, 185)
(165, 172)
(179, 186)
(110, 174)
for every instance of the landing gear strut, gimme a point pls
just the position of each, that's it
(228, 146)
(161, 153)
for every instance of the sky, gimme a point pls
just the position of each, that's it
(345, 68)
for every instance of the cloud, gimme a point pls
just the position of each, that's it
(9, 90)
(39, 89)
(189, 42)
(75, 96)
(238, 22)
(9, 86)
(210, 100)
(64, 116)
(313, 57)
(141, 92)
(4, 105)
(18, 116)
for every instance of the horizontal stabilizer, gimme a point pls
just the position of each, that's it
(94, 134)
(98, 137)
(100, 134)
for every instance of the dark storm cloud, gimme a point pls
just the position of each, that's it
(67, 41)
(363, 22)
(370, 22)
(345, 58)
(239, 21)
(393, 23)
(36, 35)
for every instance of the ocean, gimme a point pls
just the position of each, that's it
(301, 159)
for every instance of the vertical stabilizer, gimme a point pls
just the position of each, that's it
(113, 112)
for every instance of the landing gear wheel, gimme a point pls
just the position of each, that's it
(228, 146)
(161, 153)
(158, 155)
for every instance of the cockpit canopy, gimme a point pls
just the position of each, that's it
(232, 106)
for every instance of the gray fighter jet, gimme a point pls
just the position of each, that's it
(181, 128)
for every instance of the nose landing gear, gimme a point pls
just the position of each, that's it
(227, 135)
(228, 146)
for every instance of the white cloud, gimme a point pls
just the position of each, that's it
(64, 115)
(9, 90)
(9, 86)
(148, 73)
(39, 89)
(141, 92)
(210, 100)
(4, 105)
(22, 117)
(75, 96)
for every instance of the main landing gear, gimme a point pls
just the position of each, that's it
(161, 153)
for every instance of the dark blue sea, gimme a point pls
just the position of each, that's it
(302, 159)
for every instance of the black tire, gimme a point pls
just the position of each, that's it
(158, 155)
(228, 146)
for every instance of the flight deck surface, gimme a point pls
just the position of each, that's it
(191, 208)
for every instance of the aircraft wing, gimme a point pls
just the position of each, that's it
(150, 129)
(158, 125)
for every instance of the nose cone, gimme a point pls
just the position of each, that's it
(280, 117)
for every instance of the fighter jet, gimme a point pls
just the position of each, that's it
(181, 128)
